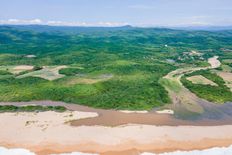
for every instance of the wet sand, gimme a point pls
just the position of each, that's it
(117, 118)
(49, 132)
(130, 148)
(216, 115)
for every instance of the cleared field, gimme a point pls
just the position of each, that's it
(226, 68)
(48, 73)
(214, 62)
(87, 80)
(17, 69)
(199, 79)
(227, 61)
(227, 77)
(195, 53)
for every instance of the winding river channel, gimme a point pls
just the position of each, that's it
(187, 107)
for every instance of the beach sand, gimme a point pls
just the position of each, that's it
(50, 132)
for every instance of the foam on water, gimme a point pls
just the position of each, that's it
(18, 151)
(212, 151)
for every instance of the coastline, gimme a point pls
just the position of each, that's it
(118, 118)
(128, 147)
(213, 150)
(50, 132)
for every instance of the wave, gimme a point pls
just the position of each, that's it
(18, 151)
(212, 151)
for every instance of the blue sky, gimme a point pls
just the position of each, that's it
(117, 12)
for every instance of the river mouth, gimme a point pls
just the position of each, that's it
(216, 115)
(188, 108)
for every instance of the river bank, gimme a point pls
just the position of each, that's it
(50, 132)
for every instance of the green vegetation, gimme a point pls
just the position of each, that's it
(171, 84)
(135, 59)
(36, 68)
(4, 72)
(219, 94)
(226, 65)
(71, 71)
(30, 108)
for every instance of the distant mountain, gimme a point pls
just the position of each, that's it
(67, 29)
(84, 30)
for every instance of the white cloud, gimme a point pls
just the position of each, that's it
(200, 20)
(60, 23)
(111, 24)
(107, 24)
(63, 23)
(21, 22)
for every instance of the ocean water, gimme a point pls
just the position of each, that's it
(18, 151)
(212, 151)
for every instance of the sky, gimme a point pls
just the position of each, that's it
(144, 13)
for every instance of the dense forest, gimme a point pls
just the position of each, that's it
(107, 68)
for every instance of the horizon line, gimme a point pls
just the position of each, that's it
(115, 26)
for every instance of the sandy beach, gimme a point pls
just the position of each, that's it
(51, 132)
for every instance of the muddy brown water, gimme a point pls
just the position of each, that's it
(216, 115)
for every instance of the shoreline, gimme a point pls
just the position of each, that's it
(118, 118)
(128, 147)
(51, 132)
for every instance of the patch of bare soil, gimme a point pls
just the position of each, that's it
(214, 62)
(21, 68)
(199, 79)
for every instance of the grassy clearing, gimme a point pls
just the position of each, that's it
(225, 68)
(171, 85)
(199, 79)
(84, 79)
(16, 69)
(227, 61)
(47, 72)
